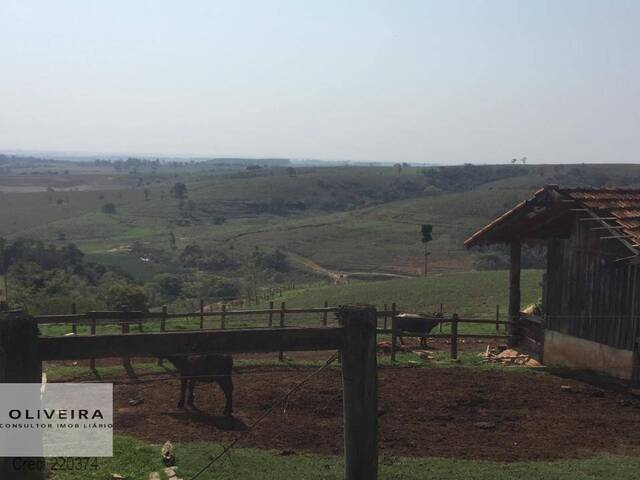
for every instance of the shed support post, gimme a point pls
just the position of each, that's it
(514, 291)
(19, 363)
(360, 383)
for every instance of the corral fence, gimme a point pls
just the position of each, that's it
(23, 350)
(526, 331)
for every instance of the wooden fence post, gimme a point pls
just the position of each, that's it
(201, 314)
(394, 332)
(325, 314)
(92, 362)
(441, 315)
(163, 327)
(223, 316)
(498, 318)
(19, 363)
(454, 337)
(270, 314)
(360, 384)
(282, 310)
(514, 292)
(126, 361)
(74, 324)
(163, 319)
(385, 317)
(394, 338)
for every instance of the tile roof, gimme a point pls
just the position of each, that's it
(616, 208)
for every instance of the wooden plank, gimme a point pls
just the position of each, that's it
(194, 342)
(46, 319)
(113, 317)
(443, 335)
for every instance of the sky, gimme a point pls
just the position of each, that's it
(401, 80)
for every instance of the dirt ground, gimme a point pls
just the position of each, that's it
(448, 412)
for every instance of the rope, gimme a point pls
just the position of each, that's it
(281, 401)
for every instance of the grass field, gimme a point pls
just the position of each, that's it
(344, 218)
(134, 460)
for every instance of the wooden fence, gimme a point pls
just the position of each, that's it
(23, 351)
(276, 316)
(455, 320)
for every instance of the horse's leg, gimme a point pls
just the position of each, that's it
(192, 386)
(183, 391)
(226, 384)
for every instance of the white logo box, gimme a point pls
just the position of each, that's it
(56, 420)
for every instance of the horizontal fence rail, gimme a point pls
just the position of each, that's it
(117, 316)
(182, 343)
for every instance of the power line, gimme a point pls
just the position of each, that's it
(281, 401)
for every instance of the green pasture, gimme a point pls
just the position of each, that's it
(135, 460)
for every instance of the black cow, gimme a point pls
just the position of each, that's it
(205, 368)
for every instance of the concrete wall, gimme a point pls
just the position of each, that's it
(566, 350)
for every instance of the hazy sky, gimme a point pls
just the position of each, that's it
(397, 80)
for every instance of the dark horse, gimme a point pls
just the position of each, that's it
(205, 368)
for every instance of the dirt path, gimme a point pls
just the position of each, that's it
(452, 412)
(340, 275)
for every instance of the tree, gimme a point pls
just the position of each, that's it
(179, 190)
(109, 209)
(146, 194)
(169, 285)
(426, 231)
(124, 294)
(172, 241)
(291, 171)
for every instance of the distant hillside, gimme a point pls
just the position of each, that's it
(359, 219)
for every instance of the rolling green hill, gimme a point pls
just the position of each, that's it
(349, 219)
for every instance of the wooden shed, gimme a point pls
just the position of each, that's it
(590, 307)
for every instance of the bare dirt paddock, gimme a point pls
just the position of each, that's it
(448, 412)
